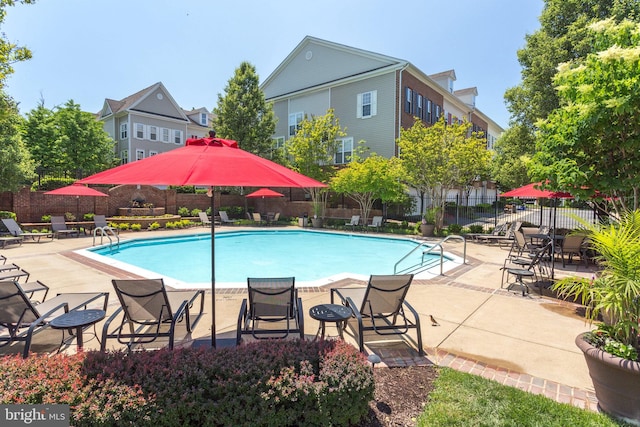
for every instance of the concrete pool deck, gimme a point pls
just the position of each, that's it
(526, 342)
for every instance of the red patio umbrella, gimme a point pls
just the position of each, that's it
(78, 190)
(205, 162)
(264, 192)
(533, 191)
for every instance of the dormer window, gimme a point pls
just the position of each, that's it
(203, 119)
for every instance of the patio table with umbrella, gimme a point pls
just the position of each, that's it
(78, 190)
(205, 162)
(533, 190)
(264, 193)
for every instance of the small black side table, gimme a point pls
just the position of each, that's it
(78, 319)
(330, 313)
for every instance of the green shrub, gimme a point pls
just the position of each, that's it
(183, 211)
(454, 228)
(154, 226)
(88, 216)
(8, 214)
(476, 228)
(195, 212)
(68, 216)
(265, 383)
(170, 225)
(124, 226)
(136, 227)
(46, 218)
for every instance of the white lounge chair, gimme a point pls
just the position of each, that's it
(224, 218)
(376, 222)
(355, 220)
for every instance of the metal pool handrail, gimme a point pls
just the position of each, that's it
(432, 248)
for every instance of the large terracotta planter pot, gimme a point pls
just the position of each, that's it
(427, 230)
(616, 382)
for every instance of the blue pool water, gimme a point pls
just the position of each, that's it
(307, 255)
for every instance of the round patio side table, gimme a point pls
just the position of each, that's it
(78, 320)
(334, 313)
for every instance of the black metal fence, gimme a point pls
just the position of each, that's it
(555, 213)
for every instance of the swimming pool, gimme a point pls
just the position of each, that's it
(312, 257)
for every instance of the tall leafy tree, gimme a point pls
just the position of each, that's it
(367, 180)
(10, 53)
(243, 114)
(16, 166)
(440, 158)
(589, 145)
(563, 36)
(312, 151)
(68, 140)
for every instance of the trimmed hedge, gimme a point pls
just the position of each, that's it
(266, 383)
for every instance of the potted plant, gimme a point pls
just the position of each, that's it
(428, 223)
(316, 221)
(613, 295)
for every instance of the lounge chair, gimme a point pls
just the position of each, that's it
(6, 240)
(20, 319)
(355, 220)
(376, 222)
(59, 227)
(16, 231)
(506, 238)
(257, 219)
(573, 244)
(533, 265)
(271, 301)
(273, 219)
(380, 307)
(100, 222)
(148, 312)
(204, 219)
(224, 218)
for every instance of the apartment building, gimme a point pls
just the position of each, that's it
(150, 122)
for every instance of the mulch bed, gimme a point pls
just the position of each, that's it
(400, 395)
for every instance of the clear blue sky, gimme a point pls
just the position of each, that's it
(91, 50)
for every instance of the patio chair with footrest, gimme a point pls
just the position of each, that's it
(16, 231)
(59, 227)
(380, 307)
(376, 223)
(224, 218)
(271, 301)
(204, 219)
(20, 319)
(148, 312)
(532, 266)
(355, 220)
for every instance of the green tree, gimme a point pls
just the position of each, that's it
(589, 145)
(312, 151)
(16, 166)
(10, 53)
(68, 140)
(369, 179)
(243, 114)
(563, 36)
(440, 158)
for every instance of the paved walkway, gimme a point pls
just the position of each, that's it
(525, 342)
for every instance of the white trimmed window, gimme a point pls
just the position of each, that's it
(408, 100)
(124, 157)
(123, 130)
(139, 154)
(344, 151)
(177, 136)
(164, 134)
(203, 119)
(294, 122)
(419, 110)
(152, 153)
(139, 127)
(367, 103)
(153, 133)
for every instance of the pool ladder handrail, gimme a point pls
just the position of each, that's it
(105, 231)
(431, 249)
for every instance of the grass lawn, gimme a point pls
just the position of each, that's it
(461, 399)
